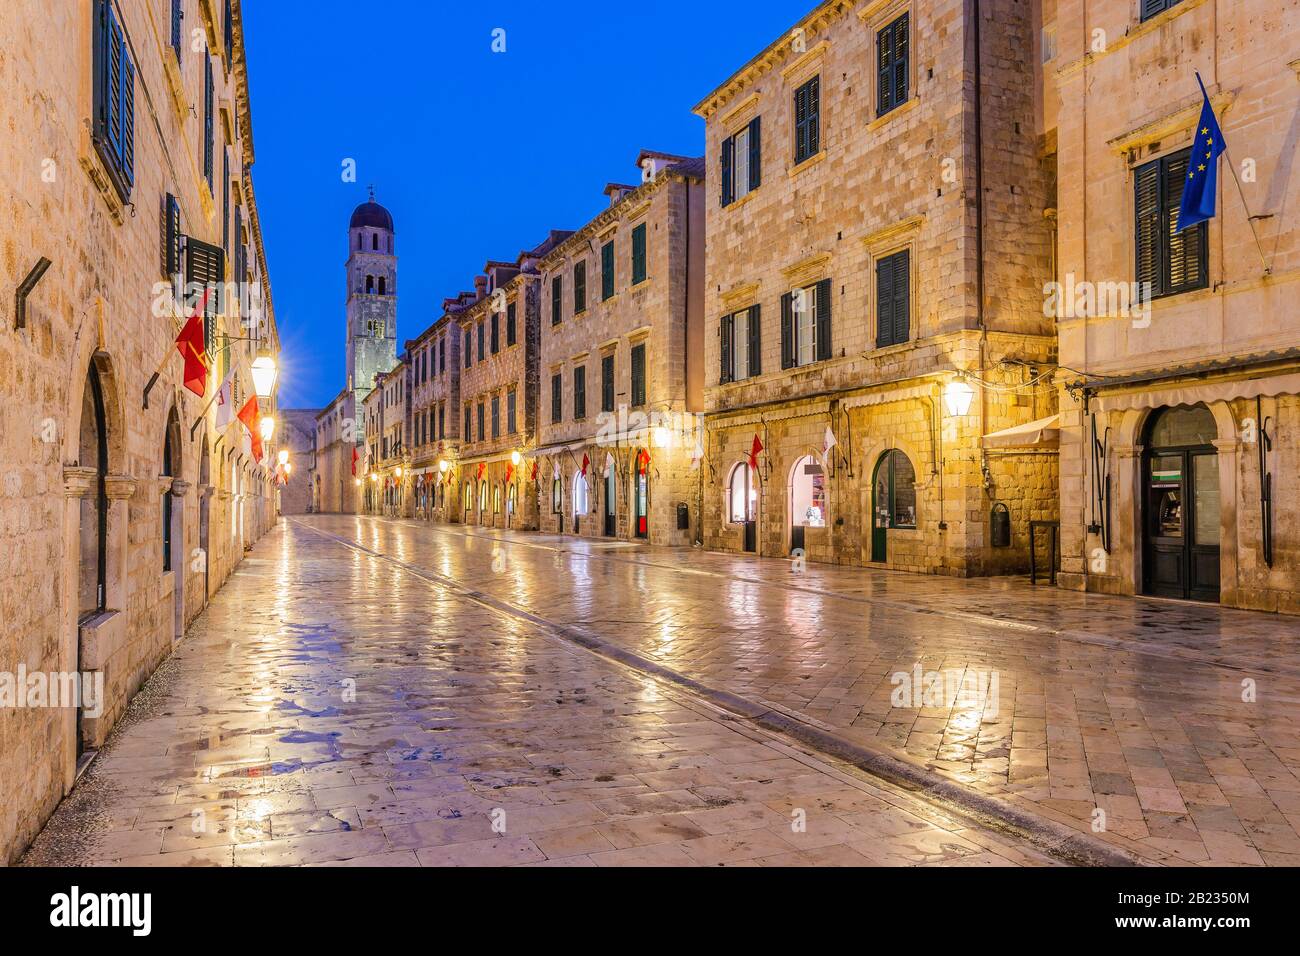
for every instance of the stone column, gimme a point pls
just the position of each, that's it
(1124, 563)
(1229, 499)
(119, 489)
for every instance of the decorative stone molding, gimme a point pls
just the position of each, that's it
(897, 234)
(164, 484)
(1181, 120)
(807, 61)
(738, 294)
(78, 481)
(807, 271)
(207, 491)
(180, 487)
(119, 487)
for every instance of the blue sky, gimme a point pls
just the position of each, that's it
(477, 154)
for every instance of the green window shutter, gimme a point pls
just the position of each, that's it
(205, 266)
(1147, 218)
(725, 331)
(607, 270)
(824, 346)
(580, 392)
(607, 383)
(512, 335)
(207, 120)
(1187, 260)
(902, 296)
(496, 333)
(728, 163)
(580, 288)
(557, 398)
(755, 154)
(892, 66)
(638, 254)
(638, 375)
(557, 292)
(755, 340)
(787, 330)
(177, 15)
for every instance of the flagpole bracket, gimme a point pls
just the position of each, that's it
(148, 388)
(25, 289)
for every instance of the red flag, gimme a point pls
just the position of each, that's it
(482, 467)
(510, 473)
(643, 460)
(252, 418)
(190, 344)
(534, 475)
(355, 455)
(586, 462)
(753, 452)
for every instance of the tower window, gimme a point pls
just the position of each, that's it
(382, 286)
(370, 284)
(374, 241)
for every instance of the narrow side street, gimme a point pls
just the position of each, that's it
(332, 707)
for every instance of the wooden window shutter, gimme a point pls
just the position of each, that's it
(900, 60)
(512, 334)
(755, 341)
(128, 118)
(724, 339)
(1187, 249)
(557, 306)
(207, 119)
(177, 15)
(607, 383)
(205, 265)
(639, 254)
(1151, 7)
(824, 320)
(884, 301)
(1146, 233)
(579, 288)
(607, 270)
(755, 154)
(801, 150)
(638, 375)
(728, 170)
(171, 236)
(814, 115)
(787, 330)
(902, 297)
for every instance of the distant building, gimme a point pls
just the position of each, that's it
(296, 433)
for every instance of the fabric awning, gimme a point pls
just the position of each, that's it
(1268, 386)
(1042, 433)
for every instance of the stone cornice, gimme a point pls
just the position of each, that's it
(1164, 126)
(778, 52)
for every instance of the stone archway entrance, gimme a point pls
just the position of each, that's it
(1181, 505)
(893, 500)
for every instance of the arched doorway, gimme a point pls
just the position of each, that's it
(173, 532)
(641, 495)
(92, 571)
(205, 511)
(807, 499)
(1180, 477)
(611, 497)
(893, 500)
(483, 502)
(579, 499)
(742, 503)
(512, 502)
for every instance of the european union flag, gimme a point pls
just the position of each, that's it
(1201, 185)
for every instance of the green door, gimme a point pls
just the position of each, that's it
(880, 509)
(893, 500)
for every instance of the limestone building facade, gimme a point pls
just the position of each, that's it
(621, 362)
(124, 507)
(876, 251)
(435, 411)
(1179, 347)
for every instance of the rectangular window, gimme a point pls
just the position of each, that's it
(511, 420)
(205, 266)
(741, 348)
(177, 15)
(442, 355)
(580, 392)
(580, 288)
(806, 325)
(557, 300)
(741, 163)
(496, 333)
(511, 336)
(893, 302)
(467, 349)
(807, 120)
(114, 101)
(607, 383)
(1168, 261)
(891, 66)
(442, 422)
(607, 270)
(482, 339)
(638, 254)
(638, 375)
(1152, 7)
(481, 423)
(467, 431)
(225, 201)
(496, 416)
(557, 398)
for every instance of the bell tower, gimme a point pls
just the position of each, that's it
(371, 298)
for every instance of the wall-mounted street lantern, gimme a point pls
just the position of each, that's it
(264, 373)
(957, 396)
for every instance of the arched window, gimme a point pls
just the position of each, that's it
(807, 493)
(370, 284)
(496, 500)
(374, 241)
(360, 240)
(1184, 425)
(482, 497)
(557, 495)
(512, 496)
(469, 498)
(742, 494)
(93, 453)
(579, 493)
(896, 490)
(383, 286)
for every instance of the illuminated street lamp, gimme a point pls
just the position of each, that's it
(283, 457)
(264, 372)
(267, 427)
(443, 465)
(398, 472)
(516, 458)
(957, 395)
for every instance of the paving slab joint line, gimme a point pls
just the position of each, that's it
(1054, 838)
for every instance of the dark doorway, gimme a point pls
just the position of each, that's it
(893, 500)
(640, 497)
(1181, 505)
(93, 555)
(611, 499)
(742, 503)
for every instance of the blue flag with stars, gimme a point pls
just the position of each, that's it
(1201, 185)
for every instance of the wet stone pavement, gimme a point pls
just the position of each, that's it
(333, 707)
(1170, 730)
